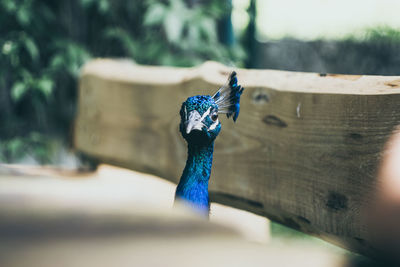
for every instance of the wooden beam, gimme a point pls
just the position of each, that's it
(305, 150)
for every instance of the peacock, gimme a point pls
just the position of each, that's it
(200, 126)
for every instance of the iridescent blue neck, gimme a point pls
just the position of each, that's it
(193, 186)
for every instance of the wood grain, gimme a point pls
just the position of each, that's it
(305, 150)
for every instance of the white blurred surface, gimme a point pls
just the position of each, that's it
(110, 186)
(311, 19)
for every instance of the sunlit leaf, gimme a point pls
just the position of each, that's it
(103, 6)
(57, 61)
(173, 26)
(46, 86)
(7, 48)
(18, 91)
(10, 5)
(208, 28)
(69, 58)
(31, 48)
(155, 14)
(23, 16)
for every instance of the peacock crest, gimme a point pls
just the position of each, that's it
(228, 97)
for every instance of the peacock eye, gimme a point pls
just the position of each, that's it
(214, 117)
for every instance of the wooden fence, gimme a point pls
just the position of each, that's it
(304, 152)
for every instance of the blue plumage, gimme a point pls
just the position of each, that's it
(200, 126)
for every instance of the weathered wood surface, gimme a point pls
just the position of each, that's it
(305, 150)
(116, 217)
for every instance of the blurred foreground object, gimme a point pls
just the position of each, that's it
(307, 147)
(385, 215)
(112, 218)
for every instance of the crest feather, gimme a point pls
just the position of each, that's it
(228, 97)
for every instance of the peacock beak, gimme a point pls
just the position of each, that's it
(193, 126)
(194, 122)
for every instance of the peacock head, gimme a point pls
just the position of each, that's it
(199, 114)
(199, 119)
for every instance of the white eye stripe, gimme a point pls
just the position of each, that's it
(214, 125)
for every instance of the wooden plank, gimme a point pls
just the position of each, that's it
(305, 151)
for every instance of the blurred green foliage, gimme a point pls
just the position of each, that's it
(379, 34)
(43, 45)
